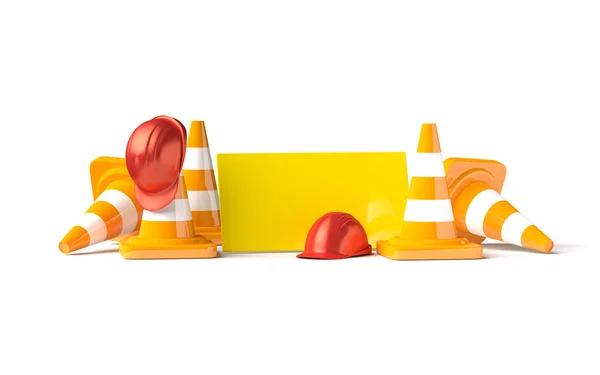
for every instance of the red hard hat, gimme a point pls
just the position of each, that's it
(154, 158)
(336, 235)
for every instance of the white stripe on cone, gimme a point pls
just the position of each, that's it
(177, 210)
(95, 227)
(124, 205)
(478, 208)
(203, 200)
(513, 228)
(428, 211)
(197, 159)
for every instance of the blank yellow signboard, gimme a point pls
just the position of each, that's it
(270, 201)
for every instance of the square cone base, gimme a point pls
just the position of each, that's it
(104, 170)
(126, 236)
(181, 248)
(213, 234)
(405, 249)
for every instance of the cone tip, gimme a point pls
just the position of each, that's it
(544, 247)
(64, 247)
(428, 140)
(549, 246)
(197, 135)
(429, 127)
(535, 239)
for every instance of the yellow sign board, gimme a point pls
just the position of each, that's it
(270, 201)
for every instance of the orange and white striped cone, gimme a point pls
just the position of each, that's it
(115, 212)
(103, 171)
(202, 186)
(428, 231)
(168, 233)
(479, 209)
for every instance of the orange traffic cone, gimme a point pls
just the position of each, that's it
(168, 233)
(428, 231)
(115, 212)
(202, 186)
(479, 209)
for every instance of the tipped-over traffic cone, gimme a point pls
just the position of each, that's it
(479, 209)
(202, 186)
(428, 231)
(168, 233)
(115, 211)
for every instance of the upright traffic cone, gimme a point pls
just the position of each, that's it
(168, 233)
(115, 212)
(479, 209)
(428, 231)
(202, 186)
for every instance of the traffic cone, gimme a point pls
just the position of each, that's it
(479, 209)
(168, 233)
(115, 212)
(202, 186)
(428, 231)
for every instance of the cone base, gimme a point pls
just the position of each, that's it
(404, 249)
(107, 169)
(184, 248)
(125, 236)
(473, 238)
(461, 172)
(212, 234)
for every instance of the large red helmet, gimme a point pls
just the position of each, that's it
(154, 157)
(336, 235)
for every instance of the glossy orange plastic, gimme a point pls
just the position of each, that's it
(429, 231)
(154, 157)
(336, 235)
(115, 213)
(168, 233)
(201, 184)
(479, 209)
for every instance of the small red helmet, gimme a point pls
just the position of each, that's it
(154, 158)
(336, 235)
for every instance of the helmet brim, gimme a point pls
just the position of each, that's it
(311, 254)
(155, 202)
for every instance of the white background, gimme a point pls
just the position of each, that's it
(516, 81)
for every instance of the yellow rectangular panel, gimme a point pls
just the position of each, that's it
(270, 201)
